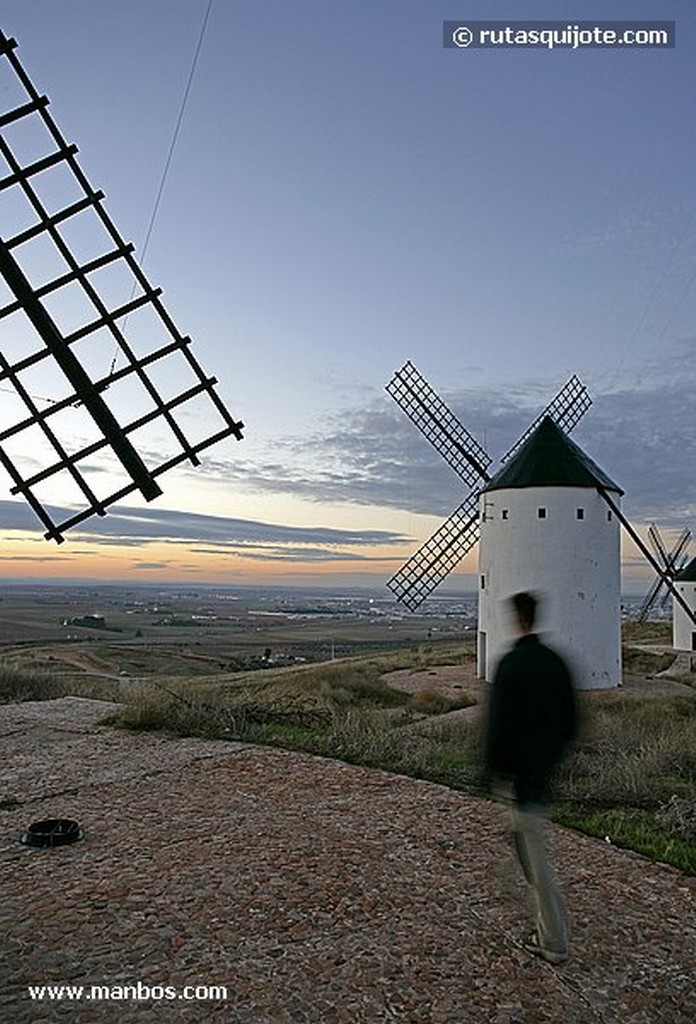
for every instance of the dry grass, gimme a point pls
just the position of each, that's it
(18, 685)
(636, 752)
(644, 663)
(657, 632)
(632, 777)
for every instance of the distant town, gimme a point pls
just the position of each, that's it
(210, 629)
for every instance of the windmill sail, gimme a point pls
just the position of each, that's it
(438, 556)
(443, 551)
(566, 410)
(668, 564)
(75, 304)
(635, 537)
(439, 425)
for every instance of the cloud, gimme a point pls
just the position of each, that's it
(303, 555)
(641, 432)
(16, 515)
(368, 458)
(646, 442)
(35, 558)
(133, 527)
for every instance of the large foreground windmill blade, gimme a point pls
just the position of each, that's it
(68, 285)
(566, 410)
(439, 425)
(428, 567)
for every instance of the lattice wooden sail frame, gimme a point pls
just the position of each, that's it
(460, 532)
(75, 299)
(426, 410)
(671, 560)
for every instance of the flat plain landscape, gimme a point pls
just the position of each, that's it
(354, 677)
(119, 631)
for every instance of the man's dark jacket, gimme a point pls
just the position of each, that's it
(532, 719)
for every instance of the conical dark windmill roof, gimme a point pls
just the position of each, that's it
(688, 573)
(550, 459)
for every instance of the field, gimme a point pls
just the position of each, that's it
(116, 632)
(352, 677)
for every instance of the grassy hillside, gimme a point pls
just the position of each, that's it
(631, 780)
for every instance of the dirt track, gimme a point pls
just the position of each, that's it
(458, 681)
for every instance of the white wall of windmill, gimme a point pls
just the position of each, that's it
(563, 544)
(683, 629)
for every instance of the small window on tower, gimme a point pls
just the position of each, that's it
(483, 583)
(609, 516)
(505, 513)
(579, 513)
(541, 513)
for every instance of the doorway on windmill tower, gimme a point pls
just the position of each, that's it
(481, 667)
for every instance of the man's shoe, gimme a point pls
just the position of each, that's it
(552, 956)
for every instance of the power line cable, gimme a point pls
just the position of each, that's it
(177, 129)
(168, 161)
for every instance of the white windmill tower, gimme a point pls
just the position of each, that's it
(546, 528)
(570, 553)
(684, 627)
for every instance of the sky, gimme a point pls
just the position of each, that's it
(345, 194)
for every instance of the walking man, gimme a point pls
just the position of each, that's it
(532, 720)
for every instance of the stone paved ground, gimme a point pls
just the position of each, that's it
(313, 890)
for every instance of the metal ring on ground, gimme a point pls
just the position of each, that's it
(52, 832)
